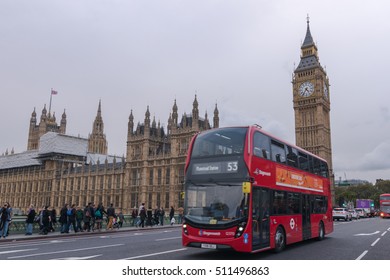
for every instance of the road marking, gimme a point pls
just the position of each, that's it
(362, 255)
(30, 243)
(138, 234)
(360, 234)
(155, 254)
(65, 251)
(383, 233)
(80, 258)
(16, 251)
(168, 238)
(376, 241)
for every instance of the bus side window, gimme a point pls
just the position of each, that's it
(319, 205)
(279, 203)
(316, 166)
(293, 203)
(278, 152)
(324, 169)
(261, 146)
(304, 163)
(292, 156)
(311, 164)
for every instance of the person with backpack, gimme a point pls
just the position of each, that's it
(71, 214)
(46, 217)
(121, 218)
(134, 215)
(30, 220)
(111, 216)
(99, 211)
(87, 218)
(162, 216)
(79, 218)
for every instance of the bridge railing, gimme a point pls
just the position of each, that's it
(18, 224)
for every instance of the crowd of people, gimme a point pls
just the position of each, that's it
(72, 217)
(142, 217)
(89, 218)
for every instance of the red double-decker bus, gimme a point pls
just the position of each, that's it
(248, 190)
(384, 205)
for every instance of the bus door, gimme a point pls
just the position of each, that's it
(260, 218)
(306, 225)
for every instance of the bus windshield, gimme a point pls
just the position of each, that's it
(225, 141)
(216, 203)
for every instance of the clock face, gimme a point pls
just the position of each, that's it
(306, 89)
(326, 93)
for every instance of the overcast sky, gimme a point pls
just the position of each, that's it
(238, 54)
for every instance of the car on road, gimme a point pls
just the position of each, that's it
(355, 215)
(362, 213)
(341, 213)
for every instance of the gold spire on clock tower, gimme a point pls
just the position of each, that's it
(312, 102)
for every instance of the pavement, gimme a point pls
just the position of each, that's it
(57, 234)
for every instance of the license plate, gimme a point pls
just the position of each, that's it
(209, 246)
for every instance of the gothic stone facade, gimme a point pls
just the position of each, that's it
(47, 123)
(57, 170)
(156, 159)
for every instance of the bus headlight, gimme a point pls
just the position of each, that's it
(185, 230)
(240, 230)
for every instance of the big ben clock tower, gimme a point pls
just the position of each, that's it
(312, 103)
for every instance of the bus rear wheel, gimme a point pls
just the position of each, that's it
(280, 240)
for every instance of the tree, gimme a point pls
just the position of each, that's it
(383, 186)
(363, 191)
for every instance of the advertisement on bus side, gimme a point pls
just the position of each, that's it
(299, 180)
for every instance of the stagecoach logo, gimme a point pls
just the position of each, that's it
(208, 233)
(262, 173)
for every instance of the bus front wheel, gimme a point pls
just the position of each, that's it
(280, 240)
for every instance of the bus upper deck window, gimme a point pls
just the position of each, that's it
(261, 145)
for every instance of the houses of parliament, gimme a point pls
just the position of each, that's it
(58, 169)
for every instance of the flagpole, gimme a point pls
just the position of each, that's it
(51, 91)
